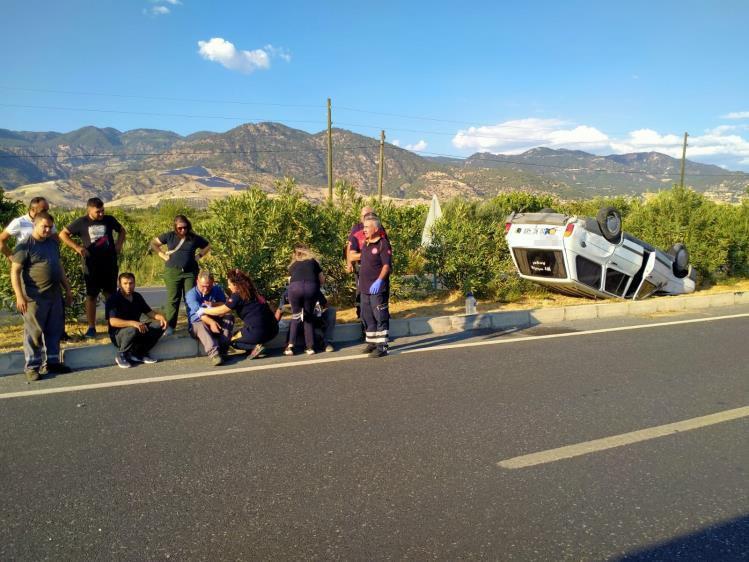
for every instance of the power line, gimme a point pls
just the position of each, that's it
(158, 98)
(151, 114)
(126, 155)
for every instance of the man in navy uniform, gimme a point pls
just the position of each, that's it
(374, 287)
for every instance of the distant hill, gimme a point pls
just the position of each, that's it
(115, 164)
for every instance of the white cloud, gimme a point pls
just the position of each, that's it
(225, 53)
(736, 115)
(514, 137)
(418, 147)
(720, 145)
(395, 142)
(156, 11)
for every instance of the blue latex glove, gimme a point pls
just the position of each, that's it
(376, 286)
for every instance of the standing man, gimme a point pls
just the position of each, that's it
(21, 227)
(354, 244)
(213, 332)
(374, 286)
(38, 278)
(132, 337)
(99, 251)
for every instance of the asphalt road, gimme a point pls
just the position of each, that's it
(338, 457)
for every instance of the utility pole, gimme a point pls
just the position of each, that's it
(330, 154)
(683, 159)
(381, 166)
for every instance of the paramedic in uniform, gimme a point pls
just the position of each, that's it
(375, 256)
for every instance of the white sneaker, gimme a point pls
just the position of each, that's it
(289, 350)
(309, 351)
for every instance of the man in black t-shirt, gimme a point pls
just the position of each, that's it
(132, 337)
(374, 286)
(99, 251)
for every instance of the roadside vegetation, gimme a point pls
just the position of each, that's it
(256, 232)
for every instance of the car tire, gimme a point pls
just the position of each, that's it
(610, 222)
(681, 260)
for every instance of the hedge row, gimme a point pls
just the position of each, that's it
(256, 232)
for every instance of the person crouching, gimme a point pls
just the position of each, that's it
(213, 331)
(132, 338)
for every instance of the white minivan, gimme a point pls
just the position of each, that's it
(588, 257)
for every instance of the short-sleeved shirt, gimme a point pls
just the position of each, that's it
(183, 257)
(374, 256)
(117, 306)
(305, 270)
(97, 236)
(254, 313)
(41, 268)
(357, 237)
(21, 228)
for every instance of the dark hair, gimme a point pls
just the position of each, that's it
(243, 283)
(35, 201)
(44, 215)
(184, 219)
(95, 202)
(125, 275)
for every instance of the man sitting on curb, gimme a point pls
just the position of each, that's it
(213, 332)
(323, 321)
(132, 338)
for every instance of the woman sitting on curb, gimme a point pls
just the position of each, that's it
(260, 325)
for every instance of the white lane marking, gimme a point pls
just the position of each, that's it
(582, 333)
(291, 364)
(597, 445)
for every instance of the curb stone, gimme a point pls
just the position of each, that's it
(181, 347)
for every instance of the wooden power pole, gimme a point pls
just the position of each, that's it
(330, 154)
(683, 159)
(381, 167)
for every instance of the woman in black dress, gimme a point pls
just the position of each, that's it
(260, 324)
(304, 287)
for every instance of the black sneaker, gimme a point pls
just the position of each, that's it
(58, 368)
(122, 361)
(32, 375)
(147, 359)
(379, 352)
(369, 348)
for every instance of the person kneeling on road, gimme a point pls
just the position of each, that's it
(259, 324)
(132, 337)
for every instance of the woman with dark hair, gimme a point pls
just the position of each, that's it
(260, 324)
(305, 280)
(181, 249)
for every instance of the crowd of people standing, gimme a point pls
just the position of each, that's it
(42, 290)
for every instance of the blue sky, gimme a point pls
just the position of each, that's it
(441, 77)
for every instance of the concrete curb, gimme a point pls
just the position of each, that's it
(183, 346)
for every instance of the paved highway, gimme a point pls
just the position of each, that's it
(414, 456)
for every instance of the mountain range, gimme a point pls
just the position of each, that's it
(115, 165)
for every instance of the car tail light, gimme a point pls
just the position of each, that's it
(508, 226)
(569, 229)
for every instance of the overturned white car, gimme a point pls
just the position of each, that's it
(588, 257)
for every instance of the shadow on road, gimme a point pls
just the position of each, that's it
(727, 542)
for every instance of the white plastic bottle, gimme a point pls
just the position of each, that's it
(470, 303)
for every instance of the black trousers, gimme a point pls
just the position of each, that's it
(130, 340)
(376, 317)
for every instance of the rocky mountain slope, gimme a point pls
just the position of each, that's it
(135, 164)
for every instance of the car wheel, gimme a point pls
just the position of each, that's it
(681, 260)
(610, 222)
